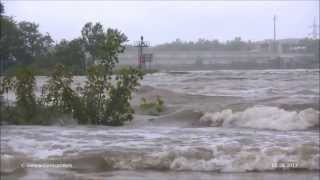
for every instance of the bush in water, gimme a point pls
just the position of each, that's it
(118, 109)
(152, 107)
(58, 96)
(104, 101)
(24, 87)
(26, 109)
(57, 92)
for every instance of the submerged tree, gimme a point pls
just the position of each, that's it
(118, 109)
(95, 92)
(24, 87)
(58, 93)
(107, 100)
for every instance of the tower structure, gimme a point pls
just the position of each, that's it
(274, 34)
(140, 45)
(314, 27)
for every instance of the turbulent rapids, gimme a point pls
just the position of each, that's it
(264, 118)
(214, 121)
(192, 149)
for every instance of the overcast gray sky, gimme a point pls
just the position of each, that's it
(165, 21)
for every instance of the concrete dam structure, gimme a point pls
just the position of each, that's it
(196, 59)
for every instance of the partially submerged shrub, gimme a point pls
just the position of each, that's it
(60, 98)
(108, 103)
(118, 109)
(26, 109)
(26, 99)
(152, 107)
(100, 102)
(57, 94)
(95, 92)
(7, 84)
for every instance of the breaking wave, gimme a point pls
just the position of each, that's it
(264, 117)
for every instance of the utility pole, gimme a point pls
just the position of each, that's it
(274, 27)
(314, 29)
(141, 44)
(274, 33)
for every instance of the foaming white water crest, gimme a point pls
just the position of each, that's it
(264, 117)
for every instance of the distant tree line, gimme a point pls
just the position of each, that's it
(306, 45)
(23, 45)
(203, 44)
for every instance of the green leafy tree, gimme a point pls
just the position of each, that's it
(107, 100)
(93, 37)
(71, 55)
(21, 43)
(95, 93)
(36, 44)
(61, 98)
(118, 109)
(7, 84)
(58, 93)
(101, 45)
(24, 86)
(111, 47)
(11, 43)
(1, 8)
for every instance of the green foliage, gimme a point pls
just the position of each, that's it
(105, 98)
(104, 102)
(1, 8)
(26, 110)
(60, 98)
(11, 46)
(152, 107)
(22, 43)
(237, 44)
(26, 101)
(95, 93)
(71, 55)
(118, 109)
(12, 115)
(35, 43)
(58, 93)
(7, 84)
(103, 46)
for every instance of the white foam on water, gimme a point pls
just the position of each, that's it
(220, 158)
(264, 117)
(163, 148)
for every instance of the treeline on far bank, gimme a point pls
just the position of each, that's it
(23, 45)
